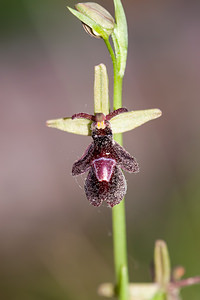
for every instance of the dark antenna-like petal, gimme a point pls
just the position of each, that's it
(116, 112)
(84, 116)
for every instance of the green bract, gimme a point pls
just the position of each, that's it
(97, 21)
(120, 37)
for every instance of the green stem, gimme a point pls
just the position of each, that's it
(119, 216)
(117, 88)
(112, 54)
(118, 211)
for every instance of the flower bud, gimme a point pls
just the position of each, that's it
(97, 21)
(162, 264)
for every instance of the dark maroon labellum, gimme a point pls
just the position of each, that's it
(104, 158)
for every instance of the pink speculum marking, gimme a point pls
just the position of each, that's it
(104, 168)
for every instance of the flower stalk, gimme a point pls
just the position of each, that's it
(118, 212)
(99, 23)
(120, 41)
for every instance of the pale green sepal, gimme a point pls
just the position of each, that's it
(162, 264)
(120, 37)
(130, 120)
(101, 95)
(77, 126)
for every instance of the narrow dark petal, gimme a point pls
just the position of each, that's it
(83, 115)
(84, 163)
(124, 159)
(116, 112)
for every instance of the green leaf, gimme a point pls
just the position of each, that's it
(130, 120)
(77, 126)
(120, 37)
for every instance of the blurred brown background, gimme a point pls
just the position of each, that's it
(53, 244)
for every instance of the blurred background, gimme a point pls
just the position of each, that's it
(53, 244)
